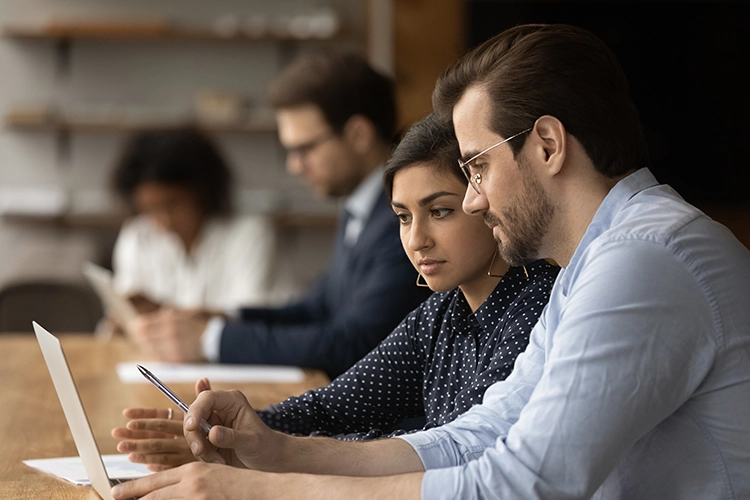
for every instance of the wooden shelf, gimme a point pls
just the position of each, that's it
(23, 122)
(113, 220)
(299, 220)
(147, 31)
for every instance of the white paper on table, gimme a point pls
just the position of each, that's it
(71, 468)
(189, 373)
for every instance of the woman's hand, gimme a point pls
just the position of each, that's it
(154, 439)
(238, 437)
(150, 438)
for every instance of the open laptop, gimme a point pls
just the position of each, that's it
(116, 306)
(78, 422)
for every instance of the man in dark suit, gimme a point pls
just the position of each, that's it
(336, 120)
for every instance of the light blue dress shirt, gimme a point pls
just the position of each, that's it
(636, 382)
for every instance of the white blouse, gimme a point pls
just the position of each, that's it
(231, 265)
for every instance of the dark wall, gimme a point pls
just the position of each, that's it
(689, 69)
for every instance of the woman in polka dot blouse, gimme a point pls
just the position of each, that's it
(438, 362)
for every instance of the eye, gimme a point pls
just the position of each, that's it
(403, 217)
(477, 166)
(439, 213)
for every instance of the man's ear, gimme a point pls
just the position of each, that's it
(550, 139)
(360, 133)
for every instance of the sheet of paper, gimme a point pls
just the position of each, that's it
(189, 373)
(71, 468)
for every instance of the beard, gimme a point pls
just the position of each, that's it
(525, 222)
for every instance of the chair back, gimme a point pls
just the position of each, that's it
(58, 305)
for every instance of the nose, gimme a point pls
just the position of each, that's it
(474, 203)
(419, 238)
(294, 164)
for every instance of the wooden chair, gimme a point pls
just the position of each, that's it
(57, 305)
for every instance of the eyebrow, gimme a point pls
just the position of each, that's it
(427, 199)
(468, 155)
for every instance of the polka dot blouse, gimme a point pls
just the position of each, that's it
(436, 364)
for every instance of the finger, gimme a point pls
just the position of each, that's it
(225, 437)
(144, 485)
(173, 427)
(122, 433)
(163, 460)
(202, 449)
(203, 406)
(168, 313)
(157, 468)
(224, 406)
(134, 413)
(154, 446)
(202, 385)
(139, 326)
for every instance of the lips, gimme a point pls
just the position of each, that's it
(430, 266)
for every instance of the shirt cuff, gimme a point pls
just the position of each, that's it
(445, 483)
(211, 338)
(442, 479)
(434, 452)
(232, 312)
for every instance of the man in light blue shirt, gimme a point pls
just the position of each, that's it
(636, 382)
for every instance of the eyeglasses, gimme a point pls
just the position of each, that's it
(475, 179)
(306, 148)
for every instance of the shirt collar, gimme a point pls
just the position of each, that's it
(604, 217)
(361, 202)
(463, 319)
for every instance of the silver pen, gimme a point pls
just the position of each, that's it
(171, 395)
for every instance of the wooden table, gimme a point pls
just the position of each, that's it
(33, 425)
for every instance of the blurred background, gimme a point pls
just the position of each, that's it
(77, 77)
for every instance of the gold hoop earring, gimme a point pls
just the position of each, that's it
(424, 284)
(492, 264)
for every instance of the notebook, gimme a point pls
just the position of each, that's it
(117, 306)
(75, 414)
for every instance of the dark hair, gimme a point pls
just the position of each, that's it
(341, 85)
(559, 70)
(180, 157)
(427, 141)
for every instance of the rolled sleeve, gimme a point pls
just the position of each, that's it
(434, 452)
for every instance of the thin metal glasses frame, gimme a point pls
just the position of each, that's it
(476, 179)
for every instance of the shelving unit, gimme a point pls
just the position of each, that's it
(18, 120)
(153, 31)
(113, 220)
(64, 33)
(44, 117)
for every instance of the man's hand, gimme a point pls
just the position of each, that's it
(239, 437)
(199, 481)
(195, 481)
(244, 441)
(171, 335)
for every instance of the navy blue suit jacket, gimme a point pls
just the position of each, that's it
(367, 291)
